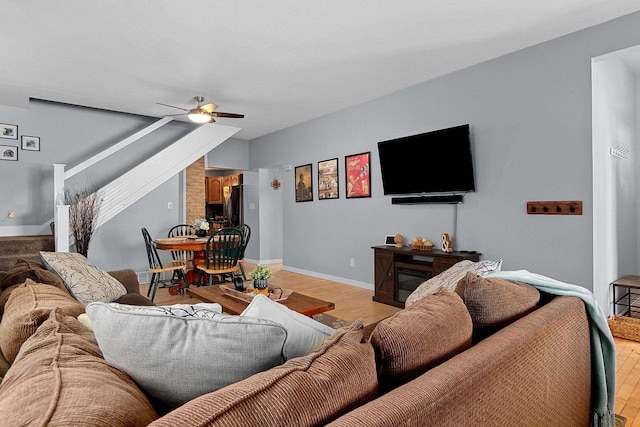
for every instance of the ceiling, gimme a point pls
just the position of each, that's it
(280, 63)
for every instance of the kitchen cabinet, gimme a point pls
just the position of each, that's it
(213, 189)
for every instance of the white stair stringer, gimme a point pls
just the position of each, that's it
(139, 181)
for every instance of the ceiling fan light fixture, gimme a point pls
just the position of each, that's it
(199, 116)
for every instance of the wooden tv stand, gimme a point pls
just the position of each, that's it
(398, 271)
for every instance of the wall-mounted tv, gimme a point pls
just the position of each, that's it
(433, 162)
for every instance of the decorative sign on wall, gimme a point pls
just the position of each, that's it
(328, 179)
(8, 152)
(30, 143)
(304, 186)
(357, 168)
(8, 131)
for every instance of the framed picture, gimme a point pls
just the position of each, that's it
(304, 187)
(328, 179)
(8, 131)
(30, 143)
(8, 152)
(357, 168)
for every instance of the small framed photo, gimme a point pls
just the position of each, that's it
(328, 179)
(304, 186)
(8, 152)
(357, 175)
(8, 131)
(30, 143)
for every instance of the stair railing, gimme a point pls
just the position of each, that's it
(139, 181)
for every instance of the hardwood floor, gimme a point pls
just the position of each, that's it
(353, 303)
(628, 381)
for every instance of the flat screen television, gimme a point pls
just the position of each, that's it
(432, 162)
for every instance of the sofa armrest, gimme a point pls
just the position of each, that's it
(536, 371)
(128, 278)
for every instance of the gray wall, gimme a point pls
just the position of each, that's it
(69, 135)
(530, 117)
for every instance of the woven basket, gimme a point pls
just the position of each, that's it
(421, 247)
(625, 327)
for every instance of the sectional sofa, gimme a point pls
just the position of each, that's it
(492, 353)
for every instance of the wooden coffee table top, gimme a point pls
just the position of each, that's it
(301, 303)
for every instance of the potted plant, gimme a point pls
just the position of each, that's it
(260, 275)
(201, 226)
(84, 206)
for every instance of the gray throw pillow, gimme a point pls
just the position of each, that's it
(303, 333)
(175, 359)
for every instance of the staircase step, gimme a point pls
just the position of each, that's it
(13, 248)
(10, 245)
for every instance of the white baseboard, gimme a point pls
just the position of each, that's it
(359, 284)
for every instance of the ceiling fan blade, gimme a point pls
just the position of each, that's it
(229, 115)
(172, 106)
(209, 107)
(174, 115)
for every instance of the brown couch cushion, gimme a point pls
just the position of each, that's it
(27, 307)
(24, 269)
(4, 366)
(421, 336)
(134, 299)
(494, 303)
(59, 378)
(4, 297)
(305, 391)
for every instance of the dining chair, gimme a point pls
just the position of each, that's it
(156, 268)
(182, 230)
(246, 234)
(221, 255)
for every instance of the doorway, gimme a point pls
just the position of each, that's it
(615, 99)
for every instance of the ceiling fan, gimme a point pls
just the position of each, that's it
(203, 113)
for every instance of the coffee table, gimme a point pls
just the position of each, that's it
(301, 303)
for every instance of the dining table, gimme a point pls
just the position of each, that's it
(197, 245)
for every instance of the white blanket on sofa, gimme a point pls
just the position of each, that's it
(603, 351)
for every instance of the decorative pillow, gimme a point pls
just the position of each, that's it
(85, 282)
(303, 333)
(175, 359)
(449, 278)
(25, 269)
(28, 306)
(311, 390)
(60, 379)
(420, 337)
(494, 303)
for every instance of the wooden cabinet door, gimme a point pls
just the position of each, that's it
(384, 276)
(442, 264)
(235, 179)
(213, 189)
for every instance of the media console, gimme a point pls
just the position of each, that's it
(399, 271)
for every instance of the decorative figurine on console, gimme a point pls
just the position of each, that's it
(447, 244)
(399, 240)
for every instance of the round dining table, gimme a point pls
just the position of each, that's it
(197, 245)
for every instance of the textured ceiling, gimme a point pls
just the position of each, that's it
(280, 63)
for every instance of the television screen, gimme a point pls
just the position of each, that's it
(431, 162)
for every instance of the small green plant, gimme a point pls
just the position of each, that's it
(261, 272)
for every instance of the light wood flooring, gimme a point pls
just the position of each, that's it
(352, 303)
(628, 381)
